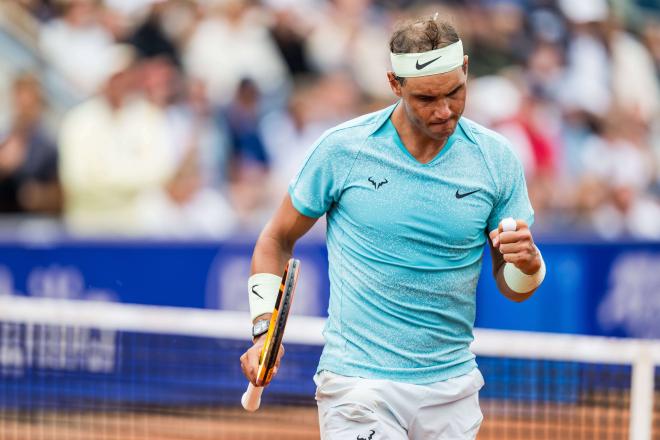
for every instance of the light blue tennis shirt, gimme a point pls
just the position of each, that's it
(405, 242)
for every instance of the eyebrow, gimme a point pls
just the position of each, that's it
(426, 95)
(456, 89)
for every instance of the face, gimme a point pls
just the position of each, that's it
(433, 104)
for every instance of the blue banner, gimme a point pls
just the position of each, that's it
(590, 288)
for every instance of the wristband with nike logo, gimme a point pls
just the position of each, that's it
(262, 293)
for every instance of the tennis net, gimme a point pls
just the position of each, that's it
(88, 370)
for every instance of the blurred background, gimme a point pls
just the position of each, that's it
(187, 119)
(144, 143)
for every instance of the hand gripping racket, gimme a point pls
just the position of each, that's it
(252, 397)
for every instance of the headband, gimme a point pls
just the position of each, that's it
(443, 60)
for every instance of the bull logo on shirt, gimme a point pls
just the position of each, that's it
(377, 185)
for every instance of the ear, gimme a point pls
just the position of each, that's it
(394, 84)
(466, 63)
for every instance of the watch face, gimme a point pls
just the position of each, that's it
(260, 327)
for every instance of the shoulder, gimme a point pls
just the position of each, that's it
(491, 143)
(85, 111)
(350, 136)
(359, 128)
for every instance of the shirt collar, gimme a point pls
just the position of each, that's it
(385, 114)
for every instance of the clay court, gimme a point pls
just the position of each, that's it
(503, 420)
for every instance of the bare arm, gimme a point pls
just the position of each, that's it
(274, 246)
(515, 247)
(273, 249)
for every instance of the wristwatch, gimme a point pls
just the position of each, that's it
(260, 327)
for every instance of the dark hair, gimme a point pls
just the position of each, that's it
(421, 35)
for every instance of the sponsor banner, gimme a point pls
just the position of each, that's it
(590, 288)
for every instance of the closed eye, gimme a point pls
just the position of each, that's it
(455, 91)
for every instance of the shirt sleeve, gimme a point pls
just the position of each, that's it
(513, 200)
(318, 183)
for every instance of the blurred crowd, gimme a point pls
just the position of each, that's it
(190, 117)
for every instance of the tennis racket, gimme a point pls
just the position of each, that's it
(252, 397)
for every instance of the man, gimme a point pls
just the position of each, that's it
(113, 148)
(28, 155)
(410, 193)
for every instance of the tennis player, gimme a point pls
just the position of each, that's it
(411, 194)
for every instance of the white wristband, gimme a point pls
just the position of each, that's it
(262, 292)
(519, 281)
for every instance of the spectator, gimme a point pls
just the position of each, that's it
(289, 30)
(113, 149)
(231, 44)
(28, 156)
(289, 133)
(150, 40)
(349, 38)
(243, 115)
(188, 204)
(623, 166)
(77, 46)
(250, 165)
(498, 40)
(549, 74)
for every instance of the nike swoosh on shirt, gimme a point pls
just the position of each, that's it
(421, 66)
(255, 292)
(460, 196)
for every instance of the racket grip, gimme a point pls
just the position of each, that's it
(252, 398)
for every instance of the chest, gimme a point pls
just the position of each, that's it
(447, 201)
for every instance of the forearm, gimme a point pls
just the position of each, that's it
(271, 252)
(270, 255)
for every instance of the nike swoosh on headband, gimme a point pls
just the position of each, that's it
(421, 66)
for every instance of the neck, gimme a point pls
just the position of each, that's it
(422, 147)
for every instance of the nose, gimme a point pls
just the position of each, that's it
(442, 110)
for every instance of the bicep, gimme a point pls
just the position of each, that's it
(275, 244)
(288, 224)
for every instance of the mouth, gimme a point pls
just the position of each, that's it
(442, 122)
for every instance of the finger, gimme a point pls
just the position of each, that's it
(520, 224)
(248, 371)
(505, 225)
(514, 237)
(494, 237)
(253, 363)
(522, 247)
(514, 259)
(280, 353)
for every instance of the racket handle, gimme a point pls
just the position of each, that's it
(252, 398)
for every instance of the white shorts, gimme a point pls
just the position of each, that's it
(353, 408)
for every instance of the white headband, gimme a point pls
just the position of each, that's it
(443, 60)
